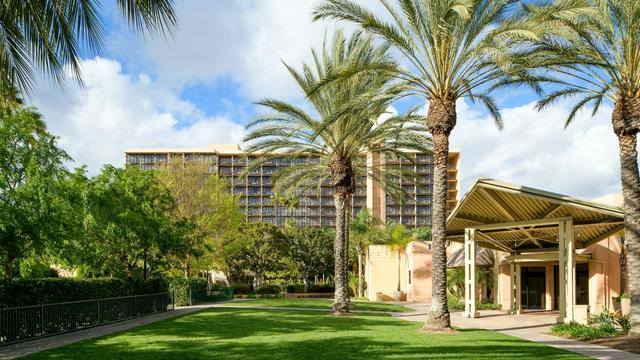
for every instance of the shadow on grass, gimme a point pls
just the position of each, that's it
(251, 334)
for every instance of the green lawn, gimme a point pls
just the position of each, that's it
(280, 334)
(321, 304)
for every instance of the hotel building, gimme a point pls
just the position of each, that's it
(255, 189)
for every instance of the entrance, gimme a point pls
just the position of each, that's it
(582, 284)
(532, 287)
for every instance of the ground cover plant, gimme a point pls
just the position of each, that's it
(269, 334)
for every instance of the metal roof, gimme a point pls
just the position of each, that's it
(484, 257)
(520, 214)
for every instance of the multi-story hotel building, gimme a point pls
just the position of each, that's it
(255, 189)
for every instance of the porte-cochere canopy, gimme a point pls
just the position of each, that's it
(515, 218)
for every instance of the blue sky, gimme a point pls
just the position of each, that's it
(199, 86)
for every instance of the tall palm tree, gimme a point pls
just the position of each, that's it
(399, 237)
(591, 48)
(46, 36)
(337, 137)
(365, 229)
(452, 49)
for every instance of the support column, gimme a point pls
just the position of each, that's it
(470, 274)
(567, 271)
(518, 289)
(571, 271)
(562, 273)
(515, 290)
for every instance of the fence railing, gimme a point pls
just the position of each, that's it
(205, 296)
(30, 322)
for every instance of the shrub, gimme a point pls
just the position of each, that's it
(241, 289)
(295, 289)
(615, 319)
(268, 289)
(584, 332)
(25, 291)
(456, 304)
(180, 288)
(321, 289)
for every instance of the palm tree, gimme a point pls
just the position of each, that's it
(337, 136)
(365, 229)
(398, 237)
(47, 36)
(453, 49)
(591, 48)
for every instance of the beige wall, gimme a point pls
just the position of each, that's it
(419, 262)
(382, 272)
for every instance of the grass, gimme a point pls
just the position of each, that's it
(220, 333)
(321, 304)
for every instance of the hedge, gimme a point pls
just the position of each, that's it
(180, 288)
(315, 289)
(25, 291)
(241, 289)
(268, 289)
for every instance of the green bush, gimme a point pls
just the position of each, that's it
(584, 332)
(321, 289)
(295, 289)
(456, 304)
(268, 289)
(615, 319)
(488, 306)
(241, 289)
(26, 291)
(180, 288)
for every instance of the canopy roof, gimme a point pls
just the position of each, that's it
(484, 257)
(517, 218)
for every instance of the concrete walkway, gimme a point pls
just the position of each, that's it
(534, 326)
(52, 342)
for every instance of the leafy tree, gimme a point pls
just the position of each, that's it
(31, 204)
(256, 248)
(130, 220)
(589, 49)
(454, 49)
(339, 135)
(365, 229)
(210, 210)
(310, 249)
(49, 36)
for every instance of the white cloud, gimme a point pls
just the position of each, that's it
(116, 111)
(244, 41)
(535, 150)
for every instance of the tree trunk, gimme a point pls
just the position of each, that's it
(399, 270)
(340, 278)
(441, 120)
(343, 182)
(631, 194)
(360, 282)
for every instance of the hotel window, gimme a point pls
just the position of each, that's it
(226, 160)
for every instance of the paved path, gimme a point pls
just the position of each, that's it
(52, 342)
(532, 326)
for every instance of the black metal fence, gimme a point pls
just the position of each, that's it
(206, 296)
(29, 322)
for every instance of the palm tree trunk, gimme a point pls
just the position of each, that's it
(341, 299)
(442, 119)
(631, 195)
(343, 183)
(360, 282)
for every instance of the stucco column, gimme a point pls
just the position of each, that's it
(571, 271)
(548, 285)
(470, 274)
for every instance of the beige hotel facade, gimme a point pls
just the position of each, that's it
(255, 190)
